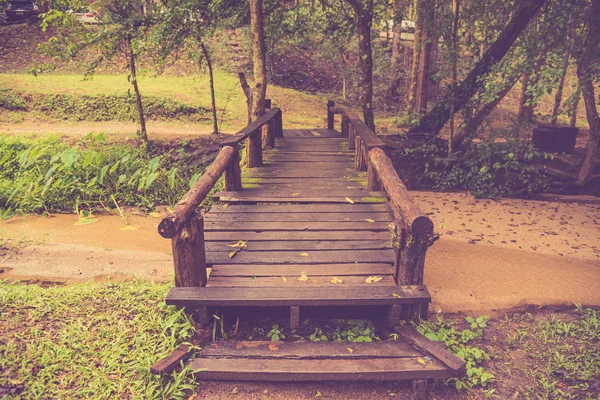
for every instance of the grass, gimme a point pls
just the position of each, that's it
(300, 109)
(90, 341)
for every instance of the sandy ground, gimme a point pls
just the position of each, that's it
(491, 255)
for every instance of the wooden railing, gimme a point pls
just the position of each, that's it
(184, 225)
(413, 233)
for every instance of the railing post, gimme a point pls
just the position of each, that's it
(360, 155)
(351, 136)
(268, 138)
(233, 173)
(344, 129)
(330, 116)
(372, 180)
(279, 124)
(254, 149)
(189, 256)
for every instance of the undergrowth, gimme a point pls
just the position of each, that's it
(89, 341)
(47, 175)
(110, 107)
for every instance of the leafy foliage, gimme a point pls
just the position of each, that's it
(91, 341)
(47, 175)
(458, 342)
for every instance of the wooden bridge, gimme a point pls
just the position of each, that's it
(317, 222)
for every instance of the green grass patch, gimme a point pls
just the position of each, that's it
(90, 341)
(46, 175)
(374, 200)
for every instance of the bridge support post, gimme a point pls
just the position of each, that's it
(345, 123)
(233, 173)
(351, 136)
(278, 125)
(373, 184)
(254, 149)
(330, 115)
(360, 154)
(189, 256)
(268, 137)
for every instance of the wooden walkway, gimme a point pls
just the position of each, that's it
(318, 219)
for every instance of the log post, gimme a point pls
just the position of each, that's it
(233, 173)
(351, 135)
(372, 180)
(344, 128)
(279, 124)
(254, 149)
(268, 138)
(360, 154)
(330, 115)
(189, 256)
(419, 389)
(294, 317)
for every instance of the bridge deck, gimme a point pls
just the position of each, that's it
(304, 219)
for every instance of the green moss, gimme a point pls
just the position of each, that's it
(344, 145)
(252, 180)
(374, 200)
(250, 185)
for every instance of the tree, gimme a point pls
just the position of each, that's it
(437, 117)
(125, 24)
(395, 67)
(587, 73)
(258, 58)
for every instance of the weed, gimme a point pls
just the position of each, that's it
(275, 333)
(91, 341)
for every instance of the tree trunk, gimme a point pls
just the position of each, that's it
(425, 58)
(575, 107)
(136, 89)
(258, 58)
(248, 93)
(454, 61)
(476, 121)
(559, 89)
(435, 119)
(212, 87)
(414, 71)
(396, 60)
(527, 105)
(585, 71)
(364, 15)
(523, 96)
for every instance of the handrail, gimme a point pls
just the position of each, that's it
(251, 128)
(173, 222)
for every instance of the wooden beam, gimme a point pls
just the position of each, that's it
(173, 222)
(189, 257)
(233, 173)
(330, 117)
(249, 130)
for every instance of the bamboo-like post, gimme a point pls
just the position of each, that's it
(189, 255)
(233, 173)
(330, 115)
(254, 149)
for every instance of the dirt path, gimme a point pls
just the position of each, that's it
(492, 255)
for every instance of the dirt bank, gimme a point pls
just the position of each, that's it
(491, 255)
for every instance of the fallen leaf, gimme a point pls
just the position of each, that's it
(85, 221)
(225, 205)
(242, 244)
(369, 220)
(284, 279)
(421, 361)
(129, 228)
(396, 295)
(154, 214)
(295, 194)
(232, 254)
(335, 279)
(349, 200)
(350, 350)
(273, 347)
(304, 254)
(303, 276)
(372, 279)
(235, 390)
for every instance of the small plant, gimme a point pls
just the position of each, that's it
(275, 333)
(318, 336)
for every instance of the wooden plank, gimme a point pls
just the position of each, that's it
(326, 133)
(435, 349)
(303, 246)
(290, 281)
(302, 257)
(218, 225)
(377, 369)
(310, 157)
(310, 351)
(230, 197)
(295, 269)
(345, 208)
(298, 296)
(295, 235)
(351, 188)
(338, 166)
(299, 173)
(286, 193)
(358, 180)
(170, 362)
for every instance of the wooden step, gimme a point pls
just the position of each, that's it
(307, 361)
(333, 295)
